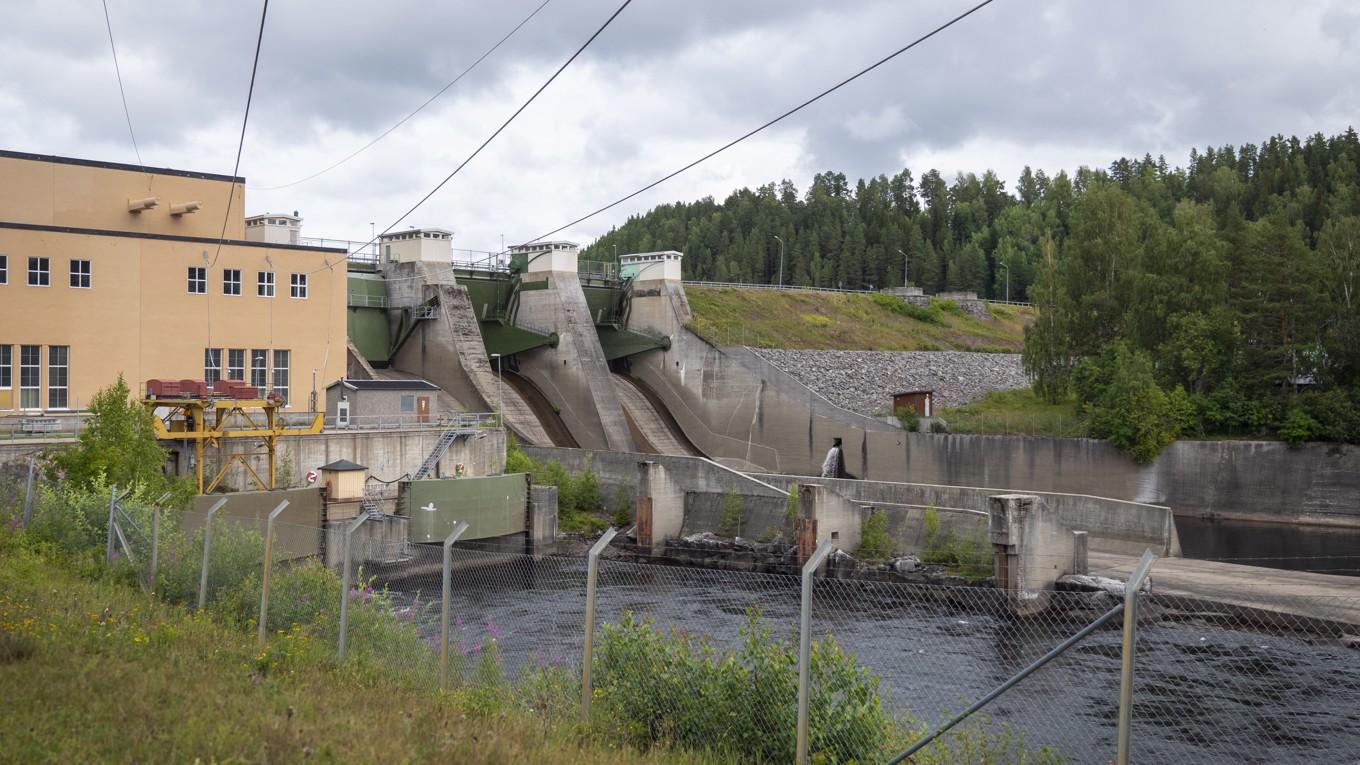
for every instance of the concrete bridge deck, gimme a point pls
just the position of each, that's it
(1301, 594)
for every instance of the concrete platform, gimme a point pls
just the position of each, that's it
(1294, 593)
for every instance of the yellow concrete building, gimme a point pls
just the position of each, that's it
(109, 268)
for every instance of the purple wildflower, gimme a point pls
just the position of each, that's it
(493, 630)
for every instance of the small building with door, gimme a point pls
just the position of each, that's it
(358, 404)
(919, 401)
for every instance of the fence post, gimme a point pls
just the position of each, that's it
(268, 558)
(1131, 589)
(592, 577)
(108, 544)
(344, 582)
(155, 542)
(458, 529)
(805, 648)
(207, 549)
(28, 493)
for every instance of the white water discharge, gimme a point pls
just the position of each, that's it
(831, 466)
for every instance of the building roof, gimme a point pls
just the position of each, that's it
(386, 384)
(119, 166)
(913, 392)
(343, 466)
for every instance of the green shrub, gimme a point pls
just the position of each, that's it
(658, 688)
(1298, 426)
(948, 306)
(586, 491)
(516, 461)
(623, 505)
(237, 554)
(929, 315)
(875, 544)
(1125, 406)
(791, 510)
(967, 557)
(907, 415)
(730, 526)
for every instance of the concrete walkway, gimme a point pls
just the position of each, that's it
(1297, 593)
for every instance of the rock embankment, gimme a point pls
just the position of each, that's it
(865, 381)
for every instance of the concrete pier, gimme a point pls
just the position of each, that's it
(1299, 594)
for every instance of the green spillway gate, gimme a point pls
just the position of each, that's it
(492, 506)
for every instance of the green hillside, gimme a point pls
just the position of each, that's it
(849, 321)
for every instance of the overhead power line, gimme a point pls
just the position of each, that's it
(503, 126)
(413, 113)
(119, 73)
(240, 144)
(788, 113)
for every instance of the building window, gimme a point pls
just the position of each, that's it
(6, 366)
(281, 376)
(4, 269)
(80, 274)
(39, 272)
(408, 403)
(299, 285)
(264, 283)
(231, 281)
(212, 364)
(58, 376)
(29, 360)
(259, 369)
(198, 280)
(236, 364)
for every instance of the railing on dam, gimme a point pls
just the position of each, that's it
(708, 658)
(442, 421)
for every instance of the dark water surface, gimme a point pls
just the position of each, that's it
(1295, 547)
(1204, 693)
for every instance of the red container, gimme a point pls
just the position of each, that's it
(193, 389)
(162, 389)
(241, 390)
(222, 388)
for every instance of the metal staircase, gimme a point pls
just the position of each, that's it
(445, 439)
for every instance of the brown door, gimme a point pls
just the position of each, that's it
(422, 409)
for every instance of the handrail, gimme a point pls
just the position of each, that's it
(1021, 675)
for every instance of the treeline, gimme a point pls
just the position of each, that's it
(1229, 284)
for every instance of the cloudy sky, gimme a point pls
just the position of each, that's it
(1054, 84)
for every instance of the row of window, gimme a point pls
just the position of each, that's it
(40, 272)
(260, 368)
(30, 375)
(40, 275)
(231, 282)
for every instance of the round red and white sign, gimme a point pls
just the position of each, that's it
(311, 476)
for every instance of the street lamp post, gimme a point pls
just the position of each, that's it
(781, 260)
(1008, 280)
(906, 268)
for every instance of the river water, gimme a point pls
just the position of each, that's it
(1273, 545)
(1204, 693)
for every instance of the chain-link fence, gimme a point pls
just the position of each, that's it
(709, 659)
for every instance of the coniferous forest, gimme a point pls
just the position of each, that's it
(1218, 297)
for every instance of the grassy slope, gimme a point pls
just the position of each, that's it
(848, 321)
(1016, 412)
(116, 677)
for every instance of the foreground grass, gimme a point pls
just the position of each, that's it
(1017, 412)
(844, 321)
(94, 671)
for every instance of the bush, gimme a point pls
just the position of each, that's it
(910, 420)
(966, 557)
(623, 505)
(236, 555)
(730, 526)
(1298, 426)
(516, 461)
(929, 315)
(875, 544)
(791, 509)
(657, 688)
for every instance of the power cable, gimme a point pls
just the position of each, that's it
(788, 113)
(231, 192)
(503, 126)
(417, 110)
(119, 73)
